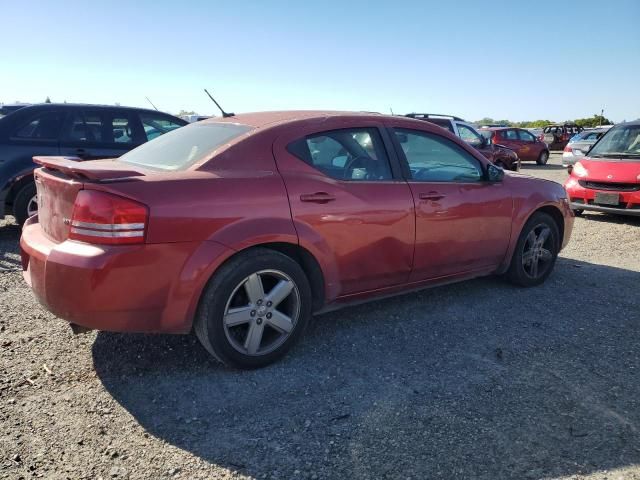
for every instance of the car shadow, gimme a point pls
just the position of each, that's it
(9, 247)
(611, 218)
(474, 380)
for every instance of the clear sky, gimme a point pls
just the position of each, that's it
(514, 60)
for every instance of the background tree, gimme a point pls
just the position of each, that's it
(48, 100)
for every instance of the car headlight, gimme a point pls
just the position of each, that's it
(579, 170)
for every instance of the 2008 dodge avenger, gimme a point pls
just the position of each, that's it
(240, 228)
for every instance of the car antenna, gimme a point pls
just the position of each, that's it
(152, 104)
(224, 114)
(391, 110)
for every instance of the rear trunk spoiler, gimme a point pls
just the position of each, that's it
(87, 170)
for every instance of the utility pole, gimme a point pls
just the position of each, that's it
(601, 116)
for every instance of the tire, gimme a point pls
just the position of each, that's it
(521, 271)
(543, 158)
(22, 201)
(228, 318)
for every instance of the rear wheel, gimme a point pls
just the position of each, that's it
(254, 309)
(543, 158)
(536, 251)
(25, 203)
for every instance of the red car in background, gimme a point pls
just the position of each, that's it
(241, 227)
(608, 178)
(524, 143)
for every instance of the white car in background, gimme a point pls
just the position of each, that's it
(194, 118)
(580, 144)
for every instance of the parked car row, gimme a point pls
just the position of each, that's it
(241, 227)
(82, 131)
(501, 156)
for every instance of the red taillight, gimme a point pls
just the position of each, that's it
(100, 217)
(541, 137)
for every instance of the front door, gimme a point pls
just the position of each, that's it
(463, 222)
(348, 205)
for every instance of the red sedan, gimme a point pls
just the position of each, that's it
(242, 227)
(524, 143)
(608, 178)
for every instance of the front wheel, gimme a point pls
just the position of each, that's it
(543, 158)
(536, 251)
(254, 309)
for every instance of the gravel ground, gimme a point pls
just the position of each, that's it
(475, 380)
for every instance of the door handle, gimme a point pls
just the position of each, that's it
(318, 197)
(431, 196)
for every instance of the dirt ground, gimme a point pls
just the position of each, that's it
(474, 380)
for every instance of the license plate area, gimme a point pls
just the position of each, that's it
(607, 198)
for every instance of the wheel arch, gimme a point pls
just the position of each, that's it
(550, 209)
(307, 261)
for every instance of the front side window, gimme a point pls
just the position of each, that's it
(156, 125)
(346, 154)
(432, 158)
(121, 128)
(621, 142)
(45, 126)
(526, 136)
(183, 147)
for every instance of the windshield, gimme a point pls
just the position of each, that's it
(619, 142)
(181, 148)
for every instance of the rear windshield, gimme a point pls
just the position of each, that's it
(181, 148)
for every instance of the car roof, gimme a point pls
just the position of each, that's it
(270, 119)
(44, 106)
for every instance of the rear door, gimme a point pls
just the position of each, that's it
(463, 222)
(509, 138)
(101, 133)
(35, 134)
(349, 203)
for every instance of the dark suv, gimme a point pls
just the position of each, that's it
(83, 131)
(497, 154)
(557, 136)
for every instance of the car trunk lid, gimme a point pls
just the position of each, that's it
(58, 183)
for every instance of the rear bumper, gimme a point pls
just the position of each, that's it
(135, 288)
(582, 198)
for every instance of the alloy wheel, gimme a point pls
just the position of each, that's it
(537, 256)
(261, 312)
(32, 206)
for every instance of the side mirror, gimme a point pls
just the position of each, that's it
(494, 173)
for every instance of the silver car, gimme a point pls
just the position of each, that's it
(580, 144)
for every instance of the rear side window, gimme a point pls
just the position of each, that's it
(510, 135)
(182, 147)
(345, 154)
(45, 126)
(84, 127)
(121, 128)
(156, 125)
